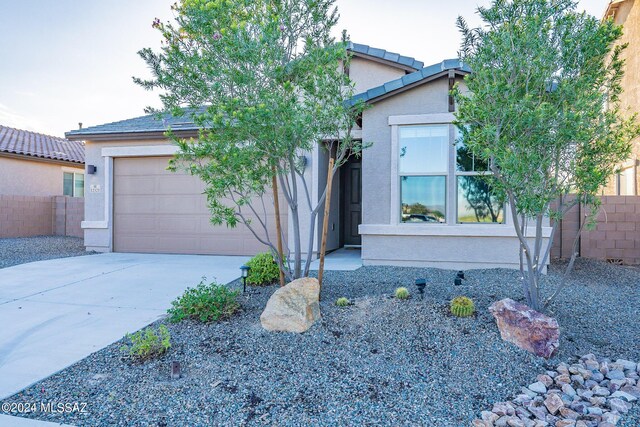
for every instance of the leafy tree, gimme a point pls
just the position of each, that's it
(542, 109)
(264, 81)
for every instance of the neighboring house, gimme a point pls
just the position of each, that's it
(412, 199)
(34, 169)
(627, 14)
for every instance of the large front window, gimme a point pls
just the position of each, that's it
(424, 154)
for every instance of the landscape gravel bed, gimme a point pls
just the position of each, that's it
(380, 361)
(21, 250)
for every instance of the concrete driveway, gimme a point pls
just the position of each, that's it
(56, 312)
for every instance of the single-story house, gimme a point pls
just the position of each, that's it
(413, 198)
(35, 168)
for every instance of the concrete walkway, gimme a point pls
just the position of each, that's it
(56, 312)
(340, 260)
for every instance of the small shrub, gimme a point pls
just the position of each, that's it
(402, 293)
(264, 270)
(207, 303)
(147, 343)
(462, 307)
(343, 302)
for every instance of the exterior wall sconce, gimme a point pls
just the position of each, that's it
(245, 273)
(91, 169)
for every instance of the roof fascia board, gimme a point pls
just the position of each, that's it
(128, 136)
(28, 157)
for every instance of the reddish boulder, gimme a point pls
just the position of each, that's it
(526, 328)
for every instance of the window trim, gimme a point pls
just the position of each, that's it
(74, 175)
(451, 176)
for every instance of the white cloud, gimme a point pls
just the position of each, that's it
(10, 118)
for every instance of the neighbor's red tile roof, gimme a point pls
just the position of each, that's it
(16, 141)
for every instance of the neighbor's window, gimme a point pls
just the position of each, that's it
(73, 184)
(476, 201)
(423, 153)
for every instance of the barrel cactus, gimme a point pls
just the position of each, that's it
(343, 302)
(462, 307)
(402, 293)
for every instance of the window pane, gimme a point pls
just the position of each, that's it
(78, 185)
(67, 184)
(466, 161)
(423, 199)
(476, 203)
(424, 149)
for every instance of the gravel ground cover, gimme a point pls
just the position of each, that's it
(21, 250)
(378, 362)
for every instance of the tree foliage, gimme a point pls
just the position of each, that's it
(264, 81)
(542, 109)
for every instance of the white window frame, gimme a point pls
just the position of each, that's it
(73, 183)
(451, 215)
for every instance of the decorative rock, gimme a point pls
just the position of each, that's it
(632, 390)
(625, 396)
(597, 377)
(594, 410)
(293, 308)
(619, 405)
(503, 408)
(600, 391)
(489, 417)
(526, 328)
(615, 375)
(611, 418)
(545, 379)
(515, 422)
(568, 390)
(562, 379)
(553, 403)
(538, 387)
(480, 423)
(627, 364)
(566, 423)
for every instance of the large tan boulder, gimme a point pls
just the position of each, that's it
(526, 328)
(294, 307)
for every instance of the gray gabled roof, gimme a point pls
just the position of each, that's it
(404, 61)
(148, 123)
(410, 79)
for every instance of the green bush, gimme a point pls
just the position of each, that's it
(462, 307)
(402, 293)
(343, 302)
(264, 270)
(147, 343)
(206, 303)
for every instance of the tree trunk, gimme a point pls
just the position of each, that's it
(276, 205)
(325, 221)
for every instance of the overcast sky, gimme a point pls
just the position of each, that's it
(69, 61)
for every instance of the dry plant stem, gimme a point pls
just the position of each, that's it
(276, 205)
(325, 221)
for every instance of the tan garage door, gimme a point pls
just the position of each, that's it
(157, 211)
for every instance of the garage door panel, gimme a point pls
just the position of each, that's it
(158, 211)
(135, 185)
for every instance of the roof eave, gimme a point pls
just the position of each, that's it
(124, 136)
(385, 62)
(30, 157)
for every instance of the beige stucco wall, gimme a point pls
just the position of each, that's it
(452, 246)
(628, 15)
(367, 74)
(32, 178)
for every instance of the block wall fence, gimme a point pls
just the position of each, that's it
(616, 237)
(27, 216)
